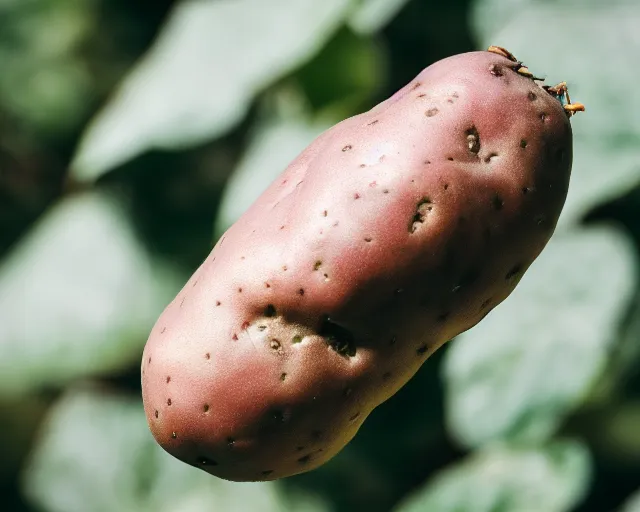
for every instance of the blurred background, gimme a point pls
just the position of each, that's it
(134, 132)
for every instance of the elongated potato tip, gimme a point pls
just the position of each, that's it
(559, 91)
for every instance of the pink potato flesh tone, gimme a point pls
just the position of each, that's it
(393, 232)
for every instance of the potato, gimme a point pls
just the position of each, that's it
(393, 232)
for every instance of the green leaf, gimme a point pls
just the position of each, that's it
(550, 37)
(96, 454)
(552, 478)
(532, 360)
(275, 143)
(373, 15)
(44, 81)
(199, 78)
(78, 296)
(344, 76)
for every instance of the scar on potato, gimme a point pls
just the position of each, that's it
(473, 140)
(420, 216)
(337, 337)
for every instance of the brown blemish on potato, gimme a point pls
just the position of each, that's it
(270, 311)
(422, 349)
(420, 216)
(168, 379)
(356, 196)
(431, 112)
(207, 356)
(234, 337)
(347, 148)
(523, 143)
(283, 376)
(368, 239)
(301, 291)
(491, 157)
(174, 435)
(205, 408)
(218, 303)
(163, 330)
(305, 459)
(338, 338)
(543, 117)
(355, 416)
(473, 140)
(266, 472)
(275, 345)
(373, 122)
(168, 401)
(495, 70)
(156, 414)
(532, 96)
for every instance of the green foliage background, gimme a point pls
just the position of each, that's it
(133, 133)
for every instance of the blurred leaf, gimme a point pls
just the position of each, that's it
(632, 504)
(501, 479)
(198, 80)
(276, 142)
(96, 454)
(550, 37)
(78, 296)
(533, 359)
(372, 15)
(344, 76)
(44, 82)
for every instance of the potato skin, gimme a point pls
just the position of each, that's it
(393, 232)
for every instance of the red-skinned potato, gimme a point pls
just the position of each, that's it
(393, 232)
